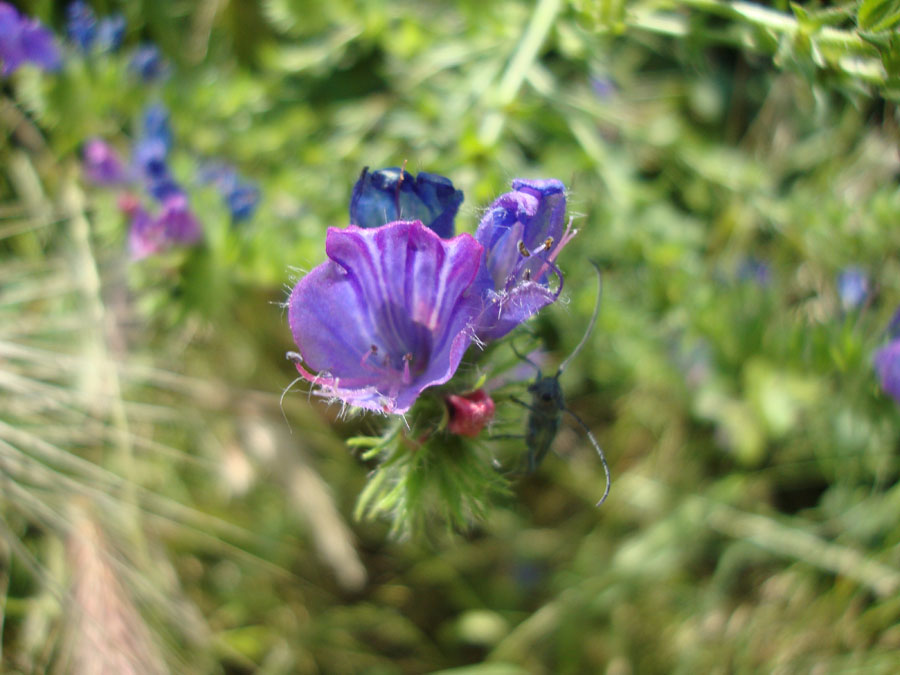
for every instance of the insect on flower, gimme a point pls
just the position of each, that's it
(548, 403)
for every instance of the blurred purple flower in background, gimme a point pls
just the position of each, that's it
(102, 164)
(392, 194)
(111, 32)
(755, 270)
(887, 364)
(81, 24)
(175, 225)
(25, 40)
(853, 287)
(241, 196)
(388, 315)
(148, 63)
(155, 124)
(522, 233)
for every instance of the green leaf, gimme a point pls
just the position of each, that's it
(878, 15)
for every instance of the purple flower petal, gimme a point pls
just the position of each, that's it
(25, 40)
(102, 163)
(887, 363)
(522, 233)
(388, 315)
(175, 225)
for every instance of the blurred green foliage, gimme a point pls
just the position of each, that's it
(725, 162)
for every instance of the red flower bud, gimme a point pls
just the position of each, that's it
(470, 413)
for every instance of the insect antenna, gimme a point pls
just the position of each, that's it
(524, 358)
(590, 327)
(599, 450)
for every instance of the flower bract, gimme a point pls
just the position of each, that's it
(388, 315)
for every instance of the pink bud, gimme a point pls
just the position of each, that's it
(470, 413)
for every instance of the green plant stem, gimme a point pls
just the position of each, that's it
(527, 51)
(856, 56)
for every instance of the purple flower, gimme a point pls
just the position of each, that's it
(242, 201)
(388, 315)
(111, 32)
(174, 225)
(387, 195)
(24, 40)
(240, 196)
(522, 233)
(853, 287)
(155, 125)
(149, 63)
(150, 155)
(81, 24)
(887, 363)
(102, 163)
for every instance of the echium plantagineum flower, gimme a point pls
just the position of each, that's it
(853, 287)
(392, 194)
(149, 64)
(388, 315)
(103, 165)
(522, 233)
(241, 196)
(174, 225)
(88, 33)
(25, 40)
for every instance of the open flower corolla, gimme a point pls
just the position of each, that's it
(388, 315)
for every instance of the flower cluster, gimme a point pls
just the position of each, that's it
(25, 40)
(90, 34)
(173, 223)
(87, 33)
(396, 305)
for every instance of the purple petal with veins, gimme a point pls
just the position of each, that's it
(388, 315)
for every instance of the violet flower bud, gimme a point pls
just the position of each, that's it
(392, 194)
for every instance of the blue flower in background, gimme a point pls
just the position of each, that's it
(241, 196)
(853, 287)
(111, 33)
(81, 24)
(887, 364)
(155, 124)
(24, 40)
(151, 159)
(755, 270)
(242, 201)
(87, 32)
(522, 233)
(387, 316)
(392, 194)
(148, 63)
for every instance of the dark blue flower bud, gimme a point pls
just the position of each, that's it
(81, 25)
(149, 63)
(392, 194)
